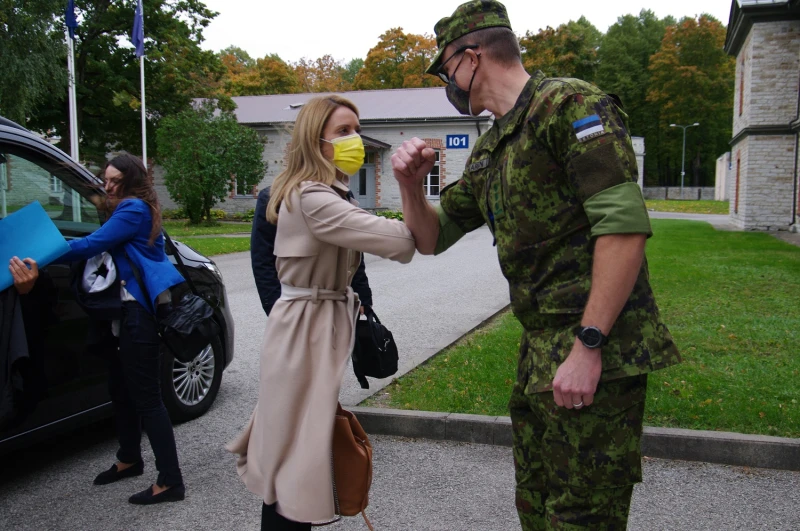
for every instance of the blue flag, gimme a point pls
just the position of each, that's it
(72, 22)
(137, 38)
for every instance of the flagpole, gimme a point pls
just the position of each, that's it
(144, 119)
(73, 120)
(73, 107)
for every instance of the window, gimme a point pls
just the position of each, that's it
(25, 177)
(362, 182)
(241, 189)
(431, 182)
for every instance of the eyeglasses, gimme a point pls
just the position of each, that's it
(441, 73)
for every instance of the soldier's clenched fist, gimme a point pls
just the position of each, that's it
(412, 162)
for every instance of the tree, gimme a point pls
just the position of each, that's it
(692, 81)
(33, 56)
(399, 60)
(269, 75)
(568, 51)
(624, 58)
(352, 69)
(107, 72)
(205, 155)
(325, 74)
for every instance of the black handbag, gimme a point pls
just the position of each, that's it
(374, 352)
(103, 305)
(190, 326)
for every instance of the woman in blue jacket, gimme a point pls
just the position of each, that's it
(133, 234)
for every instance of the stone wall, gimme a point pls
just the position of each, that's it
(765, 182)
(761, 182)
(771, 66)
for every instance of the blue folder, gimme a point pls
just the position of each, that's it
(28, 233)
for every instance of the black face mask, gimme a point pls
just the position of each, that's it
(459, 97)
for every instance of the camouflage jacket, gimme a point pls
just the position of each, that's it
(549, 177)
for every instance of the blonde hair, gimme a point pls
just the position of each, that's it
(305, 161)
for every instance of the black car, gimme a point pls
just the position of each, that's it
(66, 371)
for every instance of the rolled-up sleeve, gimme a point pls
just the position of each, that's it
(590, 139)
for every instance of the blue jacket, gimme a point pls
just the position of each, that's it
(128, 229)
(262, 247)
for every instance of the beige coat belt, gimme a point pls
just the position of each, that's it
(315, 294)
(294, 293)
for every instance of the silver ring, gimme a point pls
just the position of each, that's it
(578, 406)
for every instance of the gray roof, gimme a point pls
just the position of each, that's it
(417, 104)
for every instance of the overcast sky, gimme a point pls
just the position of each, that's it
(347, 29)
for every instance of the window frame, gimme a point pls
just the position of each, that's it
(426, 183)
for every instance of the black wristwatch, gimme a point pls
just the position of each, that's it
(591, 336)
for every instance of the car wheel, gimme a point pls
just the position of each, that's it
(189, 389)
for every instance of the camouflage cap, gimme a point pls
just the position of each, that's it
(468, 17)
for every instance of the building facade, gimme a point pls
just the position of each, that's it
(388, 118)
(762, 186)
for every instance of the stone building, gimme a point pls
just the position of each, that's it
(762, 185)
(388, 117)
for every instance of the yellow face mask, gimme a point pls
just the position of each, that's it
(348, 153)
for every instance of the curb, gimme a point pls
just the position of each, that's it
(724, 448)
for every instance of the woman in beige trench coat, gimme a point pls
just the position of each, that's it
(285, 449)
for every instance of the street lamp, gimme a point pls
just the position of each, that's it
(683, 154)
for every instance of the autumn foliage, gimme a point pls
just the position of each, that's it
(663, 71)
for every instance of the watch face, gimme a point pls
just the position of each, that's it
(591, 337)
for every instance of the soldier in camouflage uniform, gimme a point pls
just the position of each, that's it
(555, 180)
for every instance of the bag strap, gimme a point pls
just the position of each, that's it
(179, 260)
(372, 318)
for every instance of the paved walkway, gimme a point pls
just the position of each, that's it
(418, 486)
(427, 304)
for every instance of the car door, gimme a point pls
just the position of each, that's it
(65, 373)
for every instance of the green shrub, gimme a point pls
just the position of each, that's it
(391, 214)
(177, 213)
(218, 214)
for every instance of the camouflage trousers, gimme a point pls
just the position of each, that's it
(575, 469)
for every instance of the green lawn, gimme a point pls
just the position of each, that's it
(689, 207)
(730, 300)
(181, 229)
(215, 246)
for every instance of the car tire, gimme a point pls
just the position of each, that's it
(189, 389)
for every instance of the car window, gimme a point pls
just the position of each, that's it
(26, 178)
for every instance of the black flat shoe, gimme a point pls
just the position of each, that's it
(146, 497)
(111, 475)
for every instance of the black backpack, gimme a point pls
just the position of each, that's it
(374, 352)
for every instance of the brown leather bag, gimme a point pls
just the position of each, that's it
(352, 465)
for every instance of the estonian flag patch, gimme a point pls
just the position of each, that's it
(588, 127)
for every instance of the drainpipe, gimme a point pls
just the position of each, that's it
(478, 127)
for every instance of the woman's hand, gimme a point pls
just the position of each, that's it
(24, 275)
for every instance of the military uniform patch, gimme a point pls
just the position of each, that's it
(589, 127)
(477, 166)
